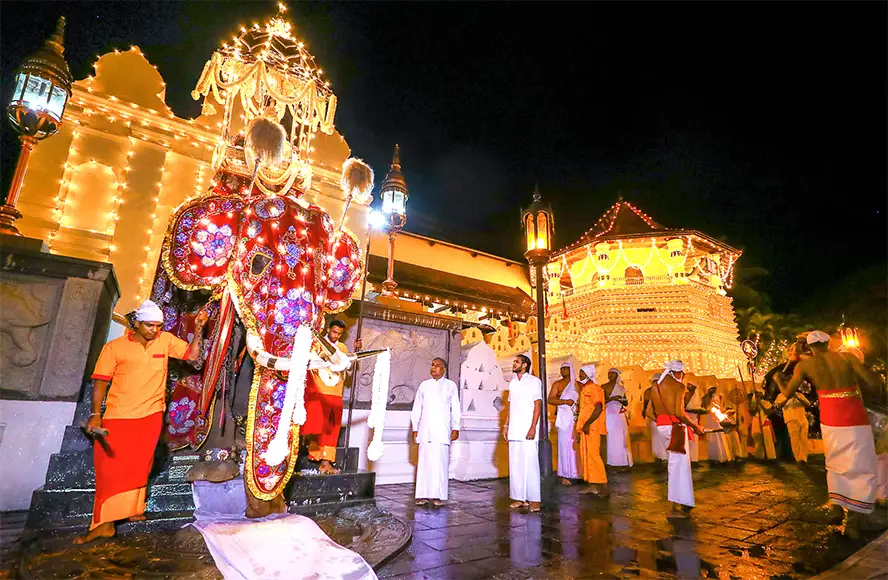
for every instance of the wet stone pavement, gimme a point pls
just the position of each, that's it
(751, 521)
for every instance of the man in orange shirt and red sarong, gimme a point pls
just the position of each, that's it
(135, 367)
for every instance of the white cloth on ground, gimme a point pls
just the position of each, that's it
(523, 394)
(680, 483)
(436, 411)
(278, 546)
(658, 443)
(433, 471)
(850, 466)
(524, 470)
(618, 451)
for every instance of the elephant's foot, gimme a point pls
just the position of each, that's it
(259, 508)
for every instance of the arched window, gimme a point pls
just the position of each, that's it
(634, 276)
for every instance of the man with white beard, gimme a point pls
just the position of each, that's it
(435, 420)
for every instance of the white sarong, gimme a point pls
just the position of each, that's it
(658, 443)
(432, 471)
(618, 450)
(850, 466)
(524, 471)
(719, 448)
(681, 484)
(567, 455)
(565, 423)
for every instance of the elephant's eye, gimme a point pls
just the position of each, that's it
(258, 264)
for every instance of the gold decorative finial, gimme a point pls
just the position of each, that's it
(537, 196)
(394, 179)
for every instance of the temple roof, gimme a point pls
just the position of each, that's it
(623, 220)
(441, 286)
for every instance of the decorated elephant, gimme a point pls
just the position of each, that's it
(275, 264)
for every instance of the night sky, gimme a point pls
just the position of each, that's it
(759, 123)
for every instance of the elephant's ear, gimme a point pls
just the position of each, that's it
(201, 239)
(344, 273)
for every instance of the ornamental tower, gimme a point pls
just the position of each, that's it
(633, 292)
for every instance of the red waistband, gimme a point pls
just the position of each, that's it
(666, 420)
(842, 408)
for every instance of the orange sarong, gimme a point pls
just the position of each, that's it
(123, 461)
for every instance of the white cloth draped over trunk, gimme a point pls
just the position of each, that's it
(619, 452)
(681, 484)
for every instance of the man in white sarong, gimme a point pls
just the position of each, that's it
(658, 444)
(520, 430)
(619, 452)
(435, 420)
(668, 400)
(847, 434)
(564, 396)
(718, 446)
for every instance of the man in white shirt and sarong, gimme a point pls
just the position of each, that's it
(847, 434)
(520, 430)
(564, 396)
(435, 419)
(619, 452)
(668, 400)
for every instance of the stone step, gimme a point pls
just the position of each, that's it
(75, 470)
(154, 522)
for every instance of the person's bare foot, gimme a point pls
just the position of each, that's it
(534, 507)
(327, 468)
(517, 504)
(105, 530)
(677, 513)
(421, 502)
(437, 503)
(565, 481)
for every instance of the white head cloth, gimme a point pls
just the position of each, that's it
(590, 371)
(656, 378)
(149, 312)
(816, 337)
(573, 375)
(673, 366)
(619, 382)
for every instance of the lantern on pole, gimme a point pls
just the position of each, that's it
(539, 225)
(42, 89)
(394, 210)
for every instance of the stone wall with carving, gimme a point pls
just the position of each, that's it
(413, 348)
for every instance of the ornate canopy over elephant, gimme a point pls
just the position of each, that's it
(252, 251)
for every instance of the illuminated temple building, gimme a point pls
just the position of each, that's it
(635, 293)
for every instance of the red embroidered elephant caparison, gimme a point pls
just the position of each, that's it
(272, 261)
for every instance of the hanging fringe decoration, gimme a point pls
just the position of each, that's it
(376, 419)
(293, 410)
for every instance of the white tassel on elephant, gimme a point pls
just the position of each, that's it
(293, 410)
(378, 402)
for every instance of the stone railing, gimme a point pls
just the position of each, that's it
(620, 282)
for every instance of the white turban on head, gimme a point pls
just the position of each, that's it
(619, 382)
(816, 337)
(573, 376)
(149, 312)
(673, 366)
(590, 371)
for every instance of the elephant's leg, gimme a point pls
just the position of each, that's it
(21, 337)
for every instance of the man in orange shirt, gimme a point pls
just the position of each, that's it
(135, 365)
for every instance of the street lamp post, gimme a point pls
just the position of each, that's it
(539, 224)
(394, 209)
(42, 89)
